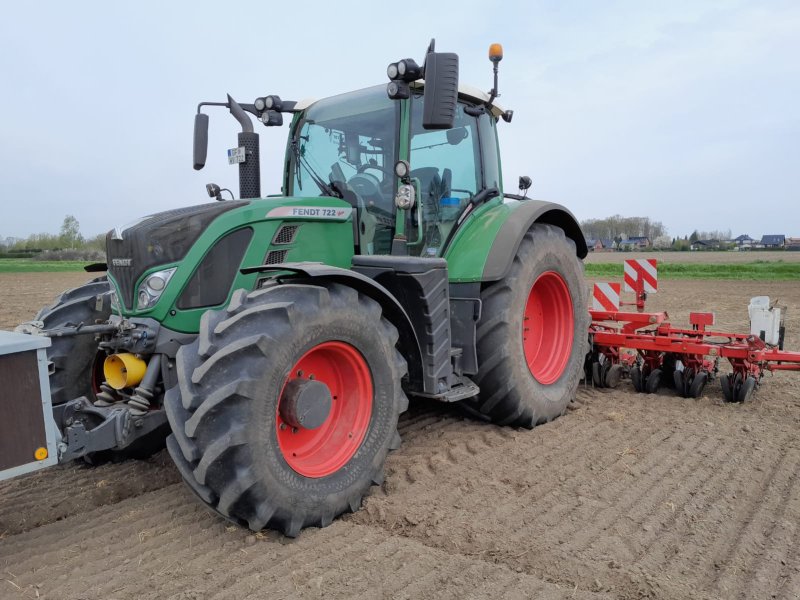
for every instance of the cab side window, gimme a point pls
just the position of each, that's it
(446, 166)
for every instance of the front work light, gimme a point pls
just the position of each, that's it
(405, 196)
(398, 90)
(408, 69)
(402, 169)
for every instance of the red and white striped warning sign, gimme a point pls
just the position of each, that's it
(644, 270)
(606, 296)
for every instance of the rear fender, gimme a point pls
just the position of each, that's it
(508, 239)
(485, 249)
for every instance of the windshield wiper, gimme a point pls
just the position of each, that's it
(300, 160)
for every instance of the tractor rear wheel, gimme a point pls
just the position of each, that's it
(75, 358)
(531, 338)
(287, 405)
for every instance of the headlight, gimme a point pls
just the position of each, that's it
(405, 196)
(152, 287)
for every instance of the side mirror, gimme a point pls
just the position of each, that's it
(200, 140)
(441, 90)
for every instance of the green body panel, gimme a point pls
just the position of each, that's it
(467, 253)
(318, 239)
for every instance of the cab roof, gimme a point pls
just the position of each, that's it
(466, 92)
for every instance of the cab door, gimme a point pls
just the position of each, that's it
(448, 167)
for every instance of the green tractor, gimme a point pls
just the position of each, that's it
(274, 341)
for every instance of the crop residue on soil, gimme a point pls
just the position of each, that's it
(627, 496)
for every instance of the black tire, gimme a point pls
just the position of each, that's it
(698, 385)
(597, 379)
(653, 381)
(613, 376)
(224, 410)
(677, 380)
(73, 357)
(745, 390)
(636, 379)
(726, 382)
(604, 369)
(510, 394)
(688, 378)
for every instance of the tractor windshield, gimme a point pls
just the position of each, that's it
(347, 145)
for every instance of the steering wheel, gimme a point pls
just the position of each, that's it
(383, 169)
(366, 185)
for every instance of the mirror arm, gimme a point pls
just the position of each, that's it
(202, 104)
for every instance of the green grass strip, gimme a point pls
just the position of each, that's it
(25, 265)
(759, 270)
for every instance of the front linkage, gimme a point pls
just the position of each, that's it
(125, 404)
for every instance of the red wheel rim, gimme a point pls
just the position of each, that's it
(548, 327)
(323, 451)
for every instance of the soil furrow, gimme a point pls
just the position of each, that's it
(765, 541)
(656, 511)
(688, 502)
(52, 495)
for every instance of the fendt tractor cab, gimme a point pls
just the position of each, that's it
(274, 341)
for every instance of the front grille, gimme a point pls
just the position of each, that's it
(286, 234)
(275, 256)
(159, 239)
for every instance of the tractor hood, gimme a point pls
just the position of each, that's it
(154, 240)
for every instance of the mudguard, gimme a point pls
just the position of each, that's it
(392, 309)
(484, 248)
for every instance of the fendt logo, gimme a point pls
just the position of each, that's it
(121, 262)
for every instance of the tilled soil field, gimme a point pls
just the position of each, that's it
(626, 496)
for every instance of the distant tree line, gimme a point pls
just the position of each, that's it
(721, 235)
(68, 244)
(619, 228)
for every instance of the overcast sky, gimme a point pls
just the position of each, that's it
(686, 112)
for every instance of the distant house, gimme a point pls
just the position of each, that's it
(744, 242)
(793, 243)
(601, 245)
(626, 245)
(634, 243)
(706, 245)
(773, 241)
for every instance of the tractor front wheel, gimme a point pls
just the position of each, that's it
(77, 366)
(287, 405)
(531, 338)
